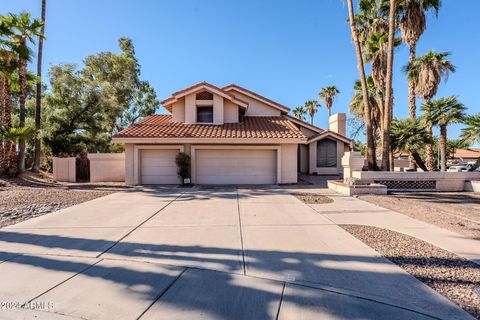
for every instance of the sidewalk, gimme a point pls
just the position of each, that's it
(349, 210)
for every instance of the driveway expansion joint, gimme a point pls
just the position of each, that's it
(163, 292)
(138, 226)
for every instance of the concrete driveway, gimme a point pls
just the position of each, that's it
(219, 253)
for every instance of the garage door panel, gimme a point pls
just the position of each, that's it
(158, 166)
(231, 166)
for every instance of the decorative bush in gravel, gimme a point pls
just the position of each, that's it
(312, 198)
(450, 275)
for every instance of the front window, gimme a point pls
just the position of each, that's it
(205, 114)
(326, 153)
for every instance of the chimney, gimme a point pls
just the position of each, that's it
(337, 123)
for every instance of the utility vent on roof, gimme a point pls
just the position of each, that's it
(205, 95)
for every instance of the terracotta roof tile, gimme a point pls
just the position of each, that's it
(467, 153)
(161, 126)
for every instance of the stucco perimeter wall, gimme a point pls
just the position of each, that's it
(289, 163)
(107, 167)
(64, 169)
(445, 181)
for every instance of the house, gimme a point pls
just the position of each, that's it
(234, 136)
(466, 155)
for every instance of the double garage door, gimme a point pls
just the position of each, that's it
(212, 166)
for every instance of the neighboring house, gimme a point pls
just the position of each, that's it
(466, 155)
(234, 136)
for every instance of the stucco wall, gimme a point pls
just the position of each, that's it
(257, 108)
(230, 113)
(64, 169)
(217, 109)
(178, 111)
(107, 167)
(289, 163)
(129, 164)
(190, 109)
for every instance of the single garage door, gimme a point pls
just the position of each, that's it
(231, 166)
(158, 166)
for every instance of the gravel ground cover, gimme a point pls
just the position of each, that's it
(454, 211)
(30, 196)
(450, 275)
(312, 198)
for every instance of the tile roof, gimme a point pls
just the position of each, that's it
(467, 153)
(235, 86)
(161, 126)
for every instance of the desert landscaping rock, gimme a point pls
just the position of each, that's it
(312, 198)
(450, 275)
(455, 211)
(21, 200)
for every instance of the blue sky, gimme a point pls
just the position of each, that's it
(285, 50)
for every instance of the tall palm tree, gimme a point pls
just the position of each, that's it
(427, 72)
(388, 111)
(412, 25)
(13, 136)
(328, 95)
(371, 158)
(311, 107)
(299, 112)
(409, 135)
(25, 31)
(443, 112)
(8, 66)
(38, 93)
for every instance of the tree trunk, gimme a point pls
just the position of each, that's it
(9, 154)
(22, 77)
(412, 103)
(418, 161)
(38, 96)
(371, 157)
(443, 148)
(3, 151)
(387, 114)
(429, 154)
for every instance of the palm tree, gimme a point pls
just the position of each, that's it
(371, 158)
(471, 133)
(8, 66)
(328, 95)
(412, 25)
(299, 112)
(357, 107)
(38, 94)
(443, 112)
(388, 111)
(427, 72)
(25, 30)
(14, 135)
(311, 107)
(409, 135)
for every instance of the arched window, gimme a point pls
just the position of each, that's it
(326, 153)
